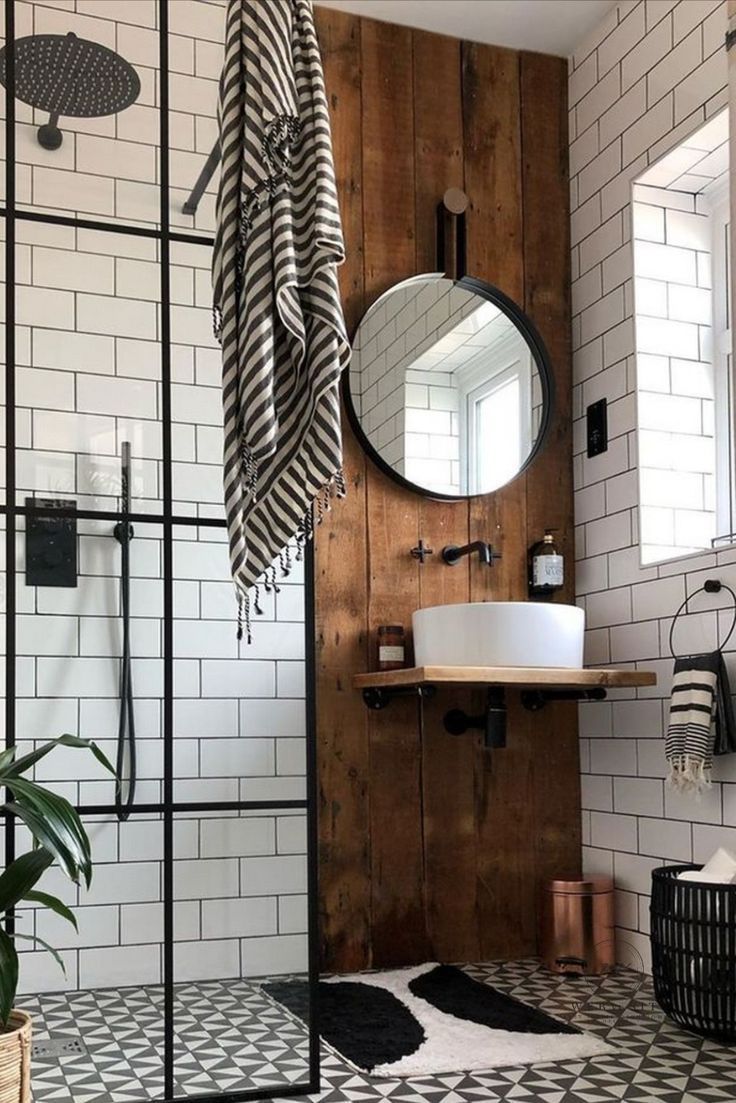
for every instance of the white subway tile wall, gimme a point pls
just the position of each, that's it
(673, 55)
(88, 378)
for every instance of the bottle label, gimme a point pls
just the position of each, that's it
(388, 654)
(548, 570)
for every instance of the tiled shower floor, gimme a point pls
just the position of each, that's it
(231, 1037)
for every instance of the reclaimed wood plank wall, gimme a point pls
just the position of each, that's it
(431, 848)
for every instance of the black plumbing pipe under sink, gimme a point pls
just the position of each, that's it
(123, 533)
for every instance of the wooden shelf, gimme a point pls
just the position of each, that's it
(525, 677)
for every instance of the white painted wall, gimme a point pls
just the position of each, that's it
(652, 72)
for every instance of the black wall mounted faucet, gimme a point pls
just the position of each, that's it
(452, 554)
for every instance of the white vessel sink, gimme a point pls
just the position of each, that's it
(499, 633)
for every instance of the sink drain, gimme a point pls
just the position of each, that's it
(58, 1047)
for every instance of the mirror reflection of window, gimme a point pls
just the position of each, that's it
(495, 417)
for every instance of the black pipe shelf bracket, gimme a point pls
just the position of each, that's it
(380, 697)
(535, 699)
(377, 698)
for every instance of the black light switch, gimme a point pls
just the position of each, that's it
(597, 415)
(51, 545)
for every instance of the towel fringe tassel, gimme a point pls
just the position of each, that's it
(688, 774)
(314, 515)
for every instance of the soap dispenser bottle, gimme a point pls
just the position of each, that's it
(546, 567)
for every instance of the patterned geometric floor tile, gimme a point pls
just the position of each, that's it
(231, 1037)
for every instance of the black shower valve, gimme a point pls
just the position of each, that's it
(51, 543)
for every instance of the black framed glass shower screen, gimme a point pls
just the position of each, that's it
(168, 808)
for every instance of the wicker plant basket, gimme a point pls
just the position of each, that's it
(694, 952)
(15, 1060)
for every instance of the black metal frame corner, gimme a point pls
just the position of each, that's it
(168, 521)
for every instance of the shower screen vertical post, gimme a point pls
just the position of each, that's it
(168, 567)
(10, 472)
(313, 942)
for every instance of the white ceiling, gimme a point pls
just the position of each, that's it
(549, 26)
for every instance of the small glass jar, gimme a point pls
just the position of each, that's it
(391, 647)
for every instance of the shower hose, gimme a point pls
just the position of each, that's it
(125, 792)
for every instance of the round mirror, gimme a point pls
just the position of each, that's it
(449, 386)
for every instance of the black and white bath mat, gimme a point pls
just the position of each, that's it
(432, 1019)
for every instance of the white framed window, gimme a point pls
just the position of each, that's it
(723, 383)
(685, 390)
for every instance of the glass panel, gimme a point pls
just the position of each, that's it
(240, 886)
(100, 157)
(195, 60)
(196, 395)
(99, 1029)
(88, 366)
(69, 665)
(109, 1007)
(239, 713)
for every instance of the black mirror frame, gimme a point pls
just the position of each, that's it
(541, 358)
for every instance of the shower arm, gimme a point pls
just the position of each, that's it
(208, 170)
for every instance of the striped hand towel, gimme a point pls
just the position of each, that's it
(276, 299)
(701, 722)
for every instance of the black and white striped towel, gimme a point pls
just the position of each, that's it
(276, 299)
(701, 722)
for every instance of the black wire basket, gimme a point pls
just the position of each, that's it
(694, 952)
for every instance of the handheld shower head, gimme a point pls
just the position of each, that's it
(123, 533)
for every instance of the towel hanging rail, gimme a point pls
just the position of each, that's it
(710, 586)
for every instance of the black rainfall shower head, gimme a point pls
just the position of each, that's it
(67, 75)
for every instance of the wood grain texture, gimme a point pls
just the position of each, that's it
(527, 677)
(341, 586)
(397, 868)
(388, 162)
(340, 42)
(431, 847)
(438, 135)
(448, 792)
(504, 813)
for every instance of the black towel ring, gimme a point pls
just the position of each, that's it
(710, 586)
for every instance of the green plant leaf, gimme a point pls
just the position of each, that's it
(21, 875)
(45, 833)
(59, 817)
(54, 953)
(53, 814)
(33, 757)
(8, 976)
(6, 758)
(53, 904)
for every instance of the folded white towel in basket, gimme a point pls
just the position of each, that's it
(720, 869)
